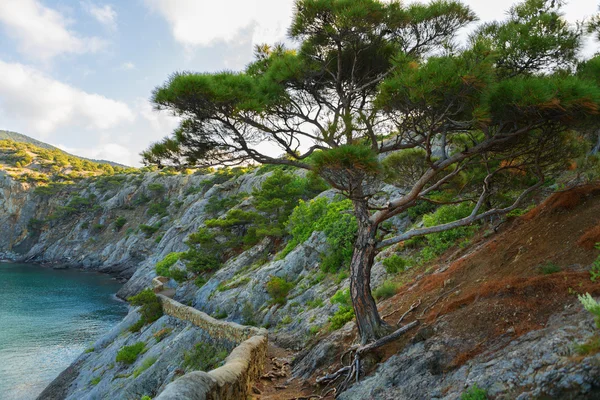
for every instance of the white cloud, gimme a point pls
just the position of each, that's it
(105, 14)
(127, 66)
(109, 151)
(203, 22)
(42, 32)
(47, 104)
(162, 122)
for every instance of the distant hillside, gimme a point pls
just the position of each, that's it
(18, 137)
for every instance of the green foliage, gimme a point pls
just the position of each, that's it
(345, 311)
(147, 363)
(343, 315)
(474, 393)
(216, 205)
(315, 303)
(51, 189)
(591, 346)
(334, 219)
(534, 37)
(120, 223)
(248, 314)
(333, 164)
(159, 208)
(279, 195)
(220, 314)
(95, 381)
(204, 357)
(404, 168)
(149, 230)
(279, 288)
(146, 398)
(437, 243)
(128, 354)
(548, 268)
(592, 306)
(342, 297)
(386, 290)
(200, 281)
(163, 267)
(156, 187)
(395, 263)
(150, 307)
(97, 228)
(35, 225)
(595, 270)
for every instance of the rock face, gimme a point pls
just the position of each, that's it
(540, 364)
(97, 375)
(162, 210)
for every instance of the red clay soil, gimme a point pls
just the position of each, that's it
(499, 288)
(496, 290)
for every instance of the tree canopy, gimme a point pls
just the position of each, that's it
(372, 80)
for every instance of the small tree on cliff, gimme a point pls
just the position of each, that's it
(371, 79)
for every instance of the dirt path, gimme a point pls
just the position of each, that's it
(276, 382)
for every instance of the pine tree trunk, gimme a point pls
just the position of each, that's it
(370, 325)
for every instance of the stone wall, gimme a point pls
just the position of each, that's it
(235, 378)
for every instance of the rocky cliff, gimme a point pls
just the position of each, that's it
(126, 223)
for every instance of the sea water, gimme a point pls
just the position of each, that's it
(47, 318)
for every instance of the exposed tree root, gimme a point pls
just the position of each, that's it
(352, 371)
(438, 299)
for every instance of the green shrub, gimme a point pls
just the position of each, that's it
(341, 276)
(199, 281)
(386, 290)
(342, 297)
(220, 314)
(120, 223)
(591, 346)
(128, 354)
(204, 357)
(96, 228)
(439, 242)
(334, 219)
(35, 225)
(315, 303)
(146, 398)
(474, 393)
(248, 314)
(342, 316)
(150, 307)
(147, 363)
(163, 266)
(395, 264)
(592, 306)
(279, 288)
(159, 208)
(95, 381)
(149, 230)
(595, 270)
(549, 268)
(345, 311)
(156, 187)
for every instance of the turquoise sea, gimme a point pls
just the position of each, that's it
(47, 318)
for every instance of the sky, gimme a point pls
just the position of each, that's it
(79, 74)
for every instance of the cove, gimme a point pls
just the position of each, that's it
(47, 318)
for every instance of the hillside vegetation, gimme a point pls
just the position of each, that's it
(43, 165)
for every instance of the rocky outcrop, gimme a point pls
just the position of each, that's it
(540, 364)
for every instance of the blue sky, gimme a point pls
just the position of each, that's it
(78, 74)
